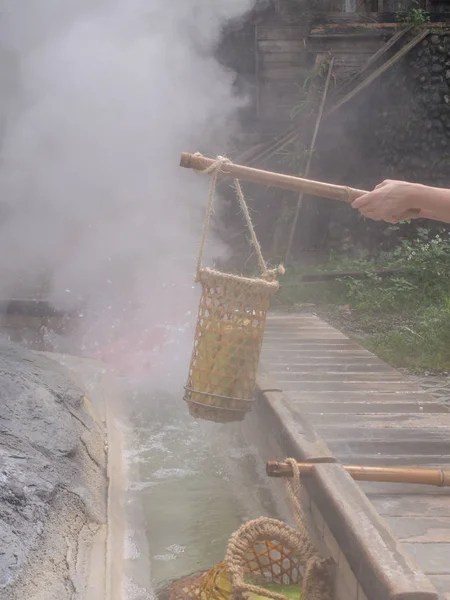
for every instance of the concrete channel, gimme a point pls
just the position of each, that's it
(370, 563)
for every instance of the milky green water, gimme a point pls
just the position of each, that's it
(196, 482)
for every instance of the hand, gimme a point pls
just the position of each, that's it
(390, 201)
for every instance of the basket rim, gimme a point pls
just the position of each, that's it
(216, 408)
(189, 389)
(251, 281)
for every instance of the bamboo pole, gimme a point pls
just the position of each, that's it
(438, 477)
(308, 162)
(382, 69)
(287, 182)
(374, 57)
(197, 162)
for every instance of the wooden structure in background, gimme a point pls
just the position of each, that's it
(277, 48)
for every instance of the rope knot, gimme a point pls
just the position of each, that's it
(216, 167)
(272, 274)
(315, 580)
(214, 170)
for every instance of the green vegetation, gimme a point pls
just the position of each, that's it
(413, 15)
(405, 317)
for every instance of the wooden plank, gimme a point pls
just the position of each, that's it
(282, 74)
(342, 400)
(281, 46)
(356, 363)
(396, 489)
(317, 406)
(343, 45)
(382, 69)
(378, 54)
(411, 506)
(310, 337)
(336, 378)
(280, 32)
(361, 36)
(298, 348)
(400, 435)
(370, 17)
(293, 59)
(399, 421)
(306, 364)
(319, 388)
(349, 60)
(325, 28)
(344, 17)
(409, 460)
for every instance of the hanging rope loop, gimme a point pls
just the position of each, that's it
(315, 582)
(215, 170)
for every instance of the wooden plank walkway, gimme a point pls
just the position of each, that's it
(370, 414)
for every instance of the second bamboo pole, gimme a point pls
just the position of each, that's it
(438, 477)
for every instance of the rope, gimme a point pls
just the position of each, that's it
(315, 584)
(215, 169)
(293, 490)
(212, 277)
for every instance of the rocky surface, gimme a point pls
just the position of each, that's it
(52, 479)
(414, 131)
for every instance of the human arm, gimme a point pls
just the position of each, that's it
(394, 201)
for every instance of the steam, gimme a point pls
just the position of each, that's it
(108, 94)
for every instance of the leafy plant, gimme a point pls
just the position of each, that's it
(425, 262)
(423, 346)
(414, 15)
(405, 317)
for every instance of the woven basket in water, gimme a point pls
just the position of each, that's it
(228, 339)
(268, 564)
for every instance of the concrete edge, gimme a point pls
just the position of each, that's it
(96, 575)
(383, 570)
(115, 542)
(112, 572)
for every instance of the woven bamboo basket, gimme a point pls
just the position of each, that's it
(268, 565)
(230, 328)
(227, 345)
